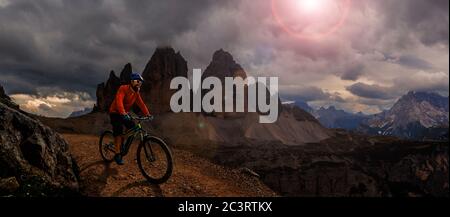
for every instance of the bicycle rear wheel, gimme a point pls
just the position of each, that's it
(106, 146)
(154, 159)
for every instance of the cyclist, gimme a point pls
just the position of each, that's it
(126, 97)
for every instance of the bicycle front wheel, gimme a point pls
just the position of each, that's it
(106, 146)
(154, 159)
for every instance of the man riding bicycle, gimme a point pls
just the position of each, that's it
(125, 98)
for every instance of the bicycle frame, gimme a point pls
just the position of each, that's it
(130, 136)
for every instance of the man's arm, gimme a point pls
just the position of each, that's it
(119, 101)
(142, 105)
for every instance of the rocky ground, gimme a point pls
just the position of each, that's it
(348, 165)
(192, 176)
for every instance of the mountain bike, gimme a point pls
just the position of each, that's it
(153, 156)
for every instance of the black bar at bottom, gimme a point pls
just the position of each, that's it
(247, 206)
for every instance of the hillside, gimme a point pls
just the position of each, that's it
(192, 176)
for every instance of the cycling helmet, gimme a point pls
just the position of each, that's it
(136, 76)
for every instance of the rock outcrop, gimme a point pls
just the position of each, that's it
(164, 65)
(34, 160)
(5, 99)
(126, 74)
(223, 65)
(3, 94)
(107, 91)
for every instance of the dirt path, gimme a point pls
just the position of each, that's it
(192, 176)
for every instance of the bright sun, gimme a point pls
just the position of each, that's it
(310, 6)
(310, 19)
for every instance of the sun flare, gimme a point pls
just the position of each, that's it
(310, 6)
(310, 19)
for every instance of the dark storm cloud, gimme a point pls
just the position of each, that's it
(163, 20)
(410, 61)
(71, 45)
(307, 94)
(16, 46)
(370, 91)
(426, 18)
(353, 73)
(414, 62)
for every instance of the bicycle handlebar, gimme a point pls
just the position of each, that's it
(142, 118)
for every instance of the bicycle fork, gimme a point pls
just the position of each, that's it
(148, 153)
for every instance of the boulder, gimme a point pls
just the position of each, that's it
(35, 155)
(9, 185)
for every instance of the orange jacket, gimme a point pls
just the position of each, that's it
(124, 100)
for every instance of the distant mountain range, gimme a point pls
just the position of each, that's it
(331, 117)
(334, 118)
(80, 112)
(416, 116)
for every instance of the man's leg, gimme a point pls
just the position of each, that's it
(117, 143)
(116, 121)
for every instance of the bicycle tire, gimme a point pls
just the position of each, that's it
(100, 145)
(168, 155)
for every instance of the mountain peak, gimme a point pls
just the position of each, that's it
(5, 99)
(112, 75)
(165, 63)
(421, 94)
(3, 94)
(332, 108)
(164, 51)
(430, 97)
(416, 115)
(223, 56)
(126, 73)
(223, 65)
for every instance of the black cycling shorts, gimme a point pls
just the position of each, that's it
(118, 122)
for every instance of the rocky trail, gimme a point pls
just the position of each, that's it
(192, 175)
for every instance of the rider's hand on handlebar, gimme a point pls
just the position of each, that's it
(126, 117)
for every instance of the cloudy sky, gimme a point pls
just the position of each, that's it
(359, 55)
